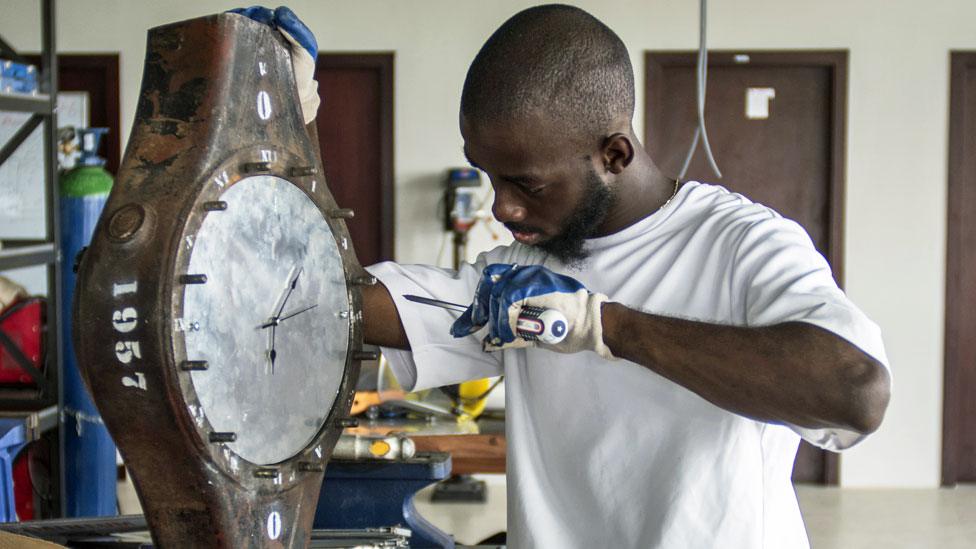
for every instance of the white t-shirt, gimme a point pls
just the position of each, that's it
(608, 453)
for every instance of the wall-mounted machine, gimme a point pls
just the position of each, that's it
(461, 199)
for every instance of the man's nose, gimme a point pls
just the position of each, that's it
(507, 208)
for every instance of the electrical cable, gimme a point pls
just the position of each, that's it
(487, 220)
(380, 372)
(701, 78)
(485, 198)
(445, 239)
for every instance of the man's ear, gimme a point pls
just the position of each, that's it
(617, 152)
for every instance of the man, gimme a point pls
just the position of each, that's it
(706, 333)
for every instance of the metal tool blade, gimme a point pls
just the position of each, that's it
(436, 303)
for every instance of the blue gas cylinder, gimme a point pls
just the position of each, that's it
(89, 452)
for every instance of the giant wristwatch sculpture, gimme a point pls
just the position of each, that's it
(218, 321)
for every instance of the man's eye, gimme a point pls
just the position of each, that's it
(535, 190)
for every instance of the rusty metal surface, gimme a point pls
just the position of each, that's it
(217, 106)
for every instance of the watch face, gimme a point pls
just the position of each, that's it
(270, 319)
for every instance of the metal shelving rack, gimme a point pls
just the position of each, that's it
(45, 401)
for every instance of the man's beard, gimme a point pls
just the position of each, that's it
(569, 245)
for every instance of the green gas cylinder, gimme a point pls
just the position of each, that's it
(88, 178)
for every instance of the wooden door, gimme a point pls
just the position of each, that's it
(776, 125)
(959, 413)
(355, 125)
(98, 76)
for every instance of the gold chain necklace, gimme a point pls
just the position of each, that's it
(673, 194)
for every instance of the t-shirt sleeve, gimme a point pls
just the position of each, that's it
(436, 357)
(780, 277)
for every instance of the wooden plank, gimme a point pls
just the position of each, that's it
(469, 453)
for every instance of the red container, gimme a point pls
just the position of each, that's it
(21, 337)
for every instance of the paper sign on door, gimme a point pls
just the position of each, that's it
(757, 102)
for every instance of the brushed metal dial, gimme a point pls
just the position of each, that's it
(270, 320)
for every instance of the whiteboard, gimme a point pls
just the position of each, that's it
(22, 175)
(22, 183)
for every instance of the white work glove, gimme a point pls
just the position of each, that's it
(304, 51)
(10, 292)
(503, 291)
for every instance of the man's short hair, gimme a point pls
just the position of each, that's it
(554, 60)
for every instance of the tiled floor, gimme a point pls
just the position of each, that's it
(836, 518)
(469, 523)
(891, 519)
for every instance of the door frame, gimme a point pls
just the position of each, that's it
(957, 210)
(836, 61)
(108, 65)
(382, 63)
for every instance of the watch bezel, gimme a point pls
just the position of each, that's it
(239, 165)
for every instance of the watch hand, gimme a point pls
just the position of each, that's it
(272, 354)
(298, 312)
(273, 322)
(291, 288)
(283, 294)
(277, 320)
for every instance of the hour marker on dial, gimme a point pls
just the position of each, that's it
(215, 206)
(309, 467)
(302, 171)
(193, 279)
(266, 472)
(367, 280)
(365, 355)
(223, 437)
(256, 167)
(342, 213)
(194, 365)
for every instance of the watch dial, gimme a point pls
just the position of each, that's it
(271, 320)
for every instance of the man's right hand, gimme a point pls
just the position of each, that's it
(304, 51)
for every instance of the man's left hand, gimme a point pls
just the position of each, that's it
(304, 51)
(503, 291)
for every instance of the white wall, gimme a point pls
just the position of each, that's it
(897, 129)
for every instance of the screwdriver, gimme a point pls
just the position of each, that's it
(534, 323)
